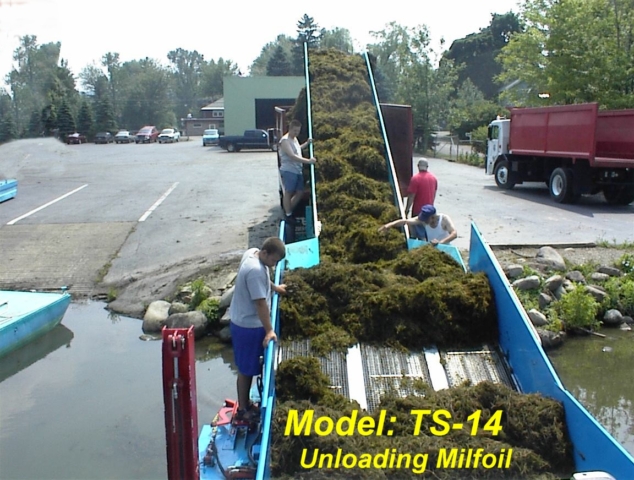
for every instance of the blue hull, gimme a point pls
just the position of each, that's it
(8, 189)
(25, 316)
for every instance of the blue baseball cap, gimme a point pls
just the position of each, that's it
(426, 212)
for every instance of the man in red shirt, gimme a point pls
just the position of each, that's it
(422, 189)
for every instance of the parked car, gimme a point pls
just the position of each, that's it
(75, 138)
(169, 135)
(210, 137)
(104, 137)
(147, 134)
(123, 136)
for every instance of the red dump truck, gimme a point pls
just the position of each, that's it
(574, 149)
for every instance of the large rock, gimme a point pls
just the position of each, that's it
(544, 300)
(599, 277)
(225, 334)
(178, 307)
(576, 276)
(196, 319)
(537, 318)
(554, 282)
(225, 319)
(560, 292)
(550, 257)
(612, 271)
(598, 294)
(225, 300)
(613, 318)
(550, 339)
(527, 283)
(513, 271)
(155, 316)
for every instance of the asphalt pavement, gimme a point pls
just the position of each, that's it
(525, 215)
(121, 213)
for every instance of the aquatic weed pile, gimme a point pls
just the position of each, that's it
(536, 453)
(369, 288)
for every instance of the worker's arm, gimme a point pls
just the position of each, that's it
(447, 226)
(410, 201)
(286, 148)
(264, 315)
(281, 289)
(400, 222)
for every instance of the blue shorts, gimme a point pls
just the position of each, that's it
(247, 349)
(292, 182)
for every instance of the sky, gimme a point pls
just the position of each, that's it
(233, 29)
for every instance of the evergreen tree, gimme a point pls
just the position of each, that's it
(104, 116)
(84, 119)
(35, 125)
(307, 32)
(7, 128)
(65, 120)
(49, 119)
(279, 65)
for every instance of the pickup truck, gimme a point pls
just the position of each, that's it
(252, 139)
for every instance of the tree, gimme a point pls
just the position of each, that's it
(338, 38)
(112, 64)
(307, 32)
(214, 72)
(476, 53)
(259, 65)
(573, 50)
(85, 119)
(7, 127)
(65, 120)
(49, 119)
(470, 110)
(279, 64)
(404, 55)
(187, 75)
(104, 116)
(35, 125)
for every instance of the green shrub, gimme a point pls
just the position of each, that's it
(211, 308)
(578, 309)
(199, 293)
(620, 295)
(626, 264)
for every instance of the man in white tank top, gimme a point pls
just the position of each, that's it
(436, 227)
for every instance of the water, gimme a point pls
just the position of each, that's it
(598, 372)
(85, 401)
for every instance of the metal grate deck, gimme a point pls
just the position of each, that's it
(367, 372)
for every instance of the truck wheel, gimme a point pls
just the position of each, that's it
(231, 147)
(562, 186)
(502, 175)
(616, 195)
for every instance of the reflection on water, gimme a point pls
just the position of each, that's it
(21, 358)
(598, 372)
(94, 409)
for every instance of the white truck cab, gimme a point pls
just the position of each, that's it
(497, 142)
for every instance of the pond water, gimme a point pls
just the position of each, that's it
(598, 372)
(85, 401)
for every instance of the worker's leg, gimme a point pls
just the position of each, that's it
(244, 387)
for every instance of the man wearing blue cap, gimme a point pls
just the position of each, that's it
(436, 227)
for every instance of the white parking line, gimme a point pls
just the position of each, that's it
(46, 205)
(157, 203)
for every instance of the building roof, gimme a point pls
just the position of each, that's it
(217, 105)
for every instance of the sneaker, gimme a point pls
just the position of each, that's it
(246, 416)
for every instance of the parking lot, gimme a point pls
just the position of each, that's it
(145, 215)
(131, 211)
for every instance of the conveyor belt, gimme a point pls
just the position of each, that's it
(367, 372)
